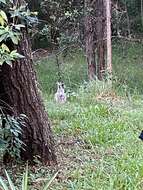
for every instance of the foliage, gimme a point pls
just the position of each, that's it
(24, 183)
(101, 127)
(10, 134)
(97, 130)
(11, 185)
(7, 56)
(134, 11)
(63, 21)
(10, 29)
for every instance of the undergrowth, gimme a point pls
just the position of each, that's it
(96, 131)
(105, 128)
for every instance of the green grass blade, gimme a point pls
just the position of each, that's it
(4, 186)
(10, 181)
(25, 179)
(49, 183)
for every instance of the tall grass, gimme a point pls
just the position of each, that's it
(127, 69)
(105, 121)
(97, 130)
(108, 150)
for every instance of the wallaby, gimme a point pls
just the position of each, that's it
(60, 95)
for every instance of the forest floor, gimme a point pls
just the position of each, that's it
(96, 131)
(97, 141)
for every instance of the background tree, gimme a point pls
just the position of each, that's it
(90, 38)
(96, 35)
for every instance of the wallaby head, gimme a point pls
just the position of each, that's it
(60, 86)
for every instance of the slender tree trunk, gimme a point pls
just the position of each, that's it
(128, 23)
(109, 46)
(98, 38)
(142, 12)
(19, 89)
(90, 41)
(100, 30)
(117, 18)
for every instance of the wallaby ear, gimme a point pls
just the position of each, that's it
(62, 84)
(58, 84)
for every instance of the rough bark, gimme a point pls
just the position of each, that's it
(89, 41)
(109, 46)
(95, 38)
(101, 37)
(19, 89)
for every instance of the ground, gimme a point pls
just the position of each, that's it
(96, 131)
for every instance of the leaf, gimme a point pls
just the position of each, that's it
(15, 54)
(3, 37)
(14, 39)
(49, 183)
(3, 1)
(25, 179)
(2, 143)
(1, 62)
(9, 62)
(4, 186)
(4, 47)
(4, 16)
(19, 56)
(2, 31)
(23, 116)
(10, 181)
(34, 13)
(19, 26)
(1, 20)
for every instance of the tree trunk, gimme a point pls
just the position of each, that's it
(89, 41)
(19, 89)
(95, 38)
(142, 12)
(101, 37)
(109, 45)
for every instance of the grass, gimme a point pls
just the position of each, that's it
(128, 64)
(127, 69)
(97, 130)
(47, 71)
(99, 141)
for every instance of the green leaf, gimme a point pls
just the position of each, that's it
(2, 31)
(9, 62)
(3, 37)
(19, 55)
(14, 39)
(49, 183)
(4, 186)
(15, 54)
(25, 179)
(5, 48)
(1, 62)
(4, 16)
(10, 181)
(3, 1)
(1, 21)
(2, 144)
